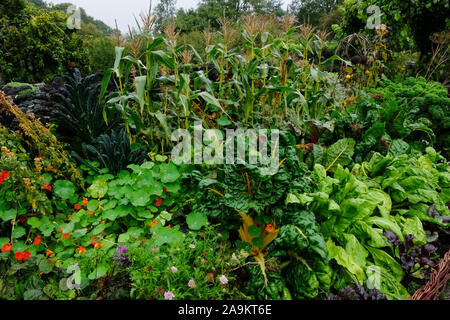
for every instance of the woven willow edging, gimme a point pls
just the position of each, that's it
(437, 282)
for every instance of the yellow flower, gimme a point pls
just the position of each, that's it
(348, 76)
(368, 72)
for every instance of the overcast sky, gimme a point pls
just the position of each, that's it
(122, 10)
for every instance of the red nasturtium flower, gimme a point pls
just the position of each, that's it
(49, 253)
(154, 222)
(51, 259)
(23, 255)
(159, 201)
(270, 228)
(19, 255)
(22, 219)
(81, 250)
(3, 176)
(7, 247)
(26, 255)
(66, 235)
(77, 206)
(164, 190)
(47, 187)
(37, 240)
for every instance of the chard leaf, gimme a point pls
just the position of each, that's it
(344, 259)
(339, 153)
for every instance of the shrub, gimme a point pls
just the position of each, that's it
(36, 45)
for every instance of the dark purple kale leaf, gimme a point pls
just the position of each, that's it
(409, 255)
(356, 292)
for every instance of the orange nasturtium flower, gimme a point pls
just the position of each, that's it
(170, 227)
(51, 259)
(91, 213)
(49, 253)
(66, 235)
(98, 244)
(81, 250)
(100, 207)
(7, 247)
(37, 240)
(85, 201)
(77, 206)
(154, 222)
(94, 237)
(270, 228)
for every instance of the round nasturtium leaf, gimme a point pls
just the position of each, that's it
(18, 232)
(92, 205)
(64, 189)
(169, 172)
(99, 188)
(196, 220)
(45, 265)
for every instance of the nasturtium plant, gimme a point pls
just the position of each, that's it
(196, 220)
(64, 189)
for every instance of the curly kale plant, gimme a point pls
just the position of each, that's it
(424, 102)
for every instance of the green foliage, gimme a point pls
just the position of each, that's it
(312, 11)
(89, 235)
(35, 44)
(423, 100)
(130, 228)
(410, 23)
(353, 208)
(113, 152)
(208, 11)
(247, 188)
(78, 112)
(198, 261)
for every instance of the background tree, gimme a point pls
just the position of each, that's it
(164, 10)
(313, 10)
(86, 19)
(35, 44)
(208, 11)
(39, 4)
